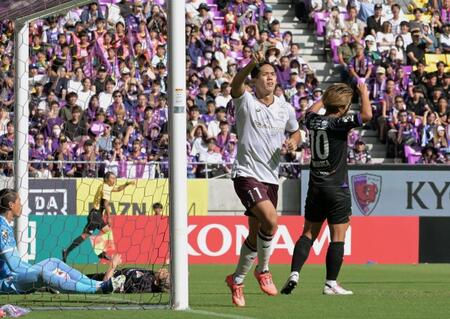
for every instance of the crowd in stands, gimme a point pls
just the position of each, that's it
(98, 81)
(402, 54)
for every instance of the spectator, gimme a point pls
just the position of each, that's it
(354, 26)
(117, 154)
(106, 96)
(360, 67)
(346, 51)
(431, 121)
(224, 136)
(136, 155)
(65, 155)
(105, 142)
(4, 119)
(75, 84)
(213, 127)
(212, 161)
(88, 155)
(76, 127)
(203, 97)
(440, 140)
(359, 154)
(387, 101)
(374, 22)
(225, 95)
(430, 156)
(416, 50)
(283, 72)
(39, 152)
(385, 37)
(210, 114)
(229, 154)
(101, 79)
(418, 105)
(371, 51)
(199, 134)
(85, 94)
(445, 39)
(7, 142)
(396, 19)
(157, 209)
(405, 34)
(434, 46)
(335, 25)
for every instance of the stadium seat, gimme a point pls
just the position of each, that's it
(432, 59)
(425, 17)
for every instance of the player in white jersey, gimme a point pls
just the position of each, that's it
(262, 120)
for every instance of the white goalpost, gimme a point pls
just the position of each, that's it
(178, 160)
(177, 127)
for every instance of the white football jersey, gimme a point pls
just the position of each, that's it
(260, 130)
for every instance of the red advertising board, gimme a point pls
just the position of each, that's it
(217, 239)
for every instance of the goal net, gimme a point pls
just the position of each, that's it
(83, 78)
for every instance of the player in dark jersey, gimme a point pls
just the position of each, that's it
(328, 195)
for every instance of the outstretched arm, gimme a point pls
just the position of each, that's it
(115, 261)
(122, 187)
(366, 108)
(237, 85)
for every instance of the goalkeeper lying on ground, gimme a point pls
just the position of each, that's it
(18, 276)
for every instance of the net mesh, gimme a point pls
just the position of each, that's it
(59, 208)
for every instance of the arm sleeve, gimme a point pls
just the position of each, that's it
(9, 253)
(292, 124)
(243, 102)
(345, 123)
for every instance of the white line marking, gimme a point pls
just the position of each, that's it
(219, 315)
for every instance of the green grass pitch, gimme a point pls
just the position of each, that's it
(381, 291)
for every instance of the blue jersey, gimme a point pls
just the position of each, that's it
(11, 264)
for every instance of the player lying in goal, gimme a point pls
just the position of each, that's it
(95, 219)
(328, 195)
(18, 276)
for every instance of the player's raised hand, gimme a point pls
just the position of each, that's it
(258, 56)
(362, 88)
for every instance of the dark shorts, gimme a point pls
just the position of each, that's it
(331, 203)
(95, 221)
(251, 191)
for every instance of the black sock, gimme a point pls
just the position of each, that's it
(76, 242)
(335, 257)
(301, 253)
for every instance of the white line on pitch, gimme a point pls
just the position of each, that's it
(219, 315)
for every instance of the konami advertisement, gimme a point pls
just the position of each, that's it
(217, 239)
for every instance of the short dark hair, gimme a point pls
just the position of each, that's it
(7, 196)
(157, 205)
(257, 69)
(108, 175)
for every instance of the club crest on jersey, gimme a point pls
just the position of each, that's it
(366, 192)
(5, 235)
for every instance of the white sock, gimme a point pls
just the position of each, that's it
(263, 244)
(331, 283)
(294, 276)
(246, 259)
